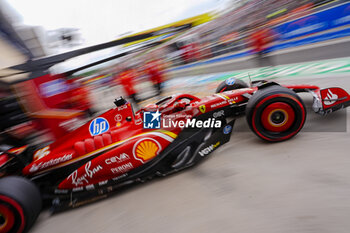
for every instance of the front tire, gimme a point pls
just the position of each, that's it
(275, 113)
(20, 204)
(230, 84)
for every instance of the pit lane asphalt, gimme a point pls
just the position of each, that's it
(247, 185)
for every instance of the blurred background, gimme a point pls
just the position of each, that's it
(50, 84)
(64, 62)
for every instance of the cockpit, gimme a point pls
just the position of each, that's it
(171, 104)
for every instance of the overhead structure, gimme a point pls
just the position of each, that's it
(185, 24)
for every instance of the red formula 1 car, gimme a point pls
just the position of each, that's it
(121, 147)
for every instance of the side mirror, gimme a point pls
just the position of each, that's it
(120, 101)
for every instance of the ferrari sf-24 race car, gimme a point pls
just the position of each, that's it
(121, 147)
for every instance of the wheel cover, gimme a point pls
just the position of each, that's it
(277, 136)
(278, 117)
(17, 207)
(7, 218)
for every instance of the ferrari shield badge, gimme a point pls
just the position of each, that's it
(202, 108)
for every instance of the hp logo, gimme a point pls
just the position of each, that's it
(98, 126)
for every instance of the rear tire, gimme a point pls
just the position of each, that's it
(230, 84)
(275, 113)
(20, 204)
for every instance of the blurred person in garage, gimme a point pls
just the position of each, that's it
(126, 79)
(190, 52)
(261, 40)
(80, 98)
(154, 70)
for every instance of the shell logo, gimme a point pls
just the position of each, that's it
(146, 149)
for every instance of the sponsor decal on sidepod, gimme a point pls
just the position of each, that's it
(89, 173)
(117, 159)
(122, 168)
(41, 153)
(98, 126)
(50, 163)
(146, 149)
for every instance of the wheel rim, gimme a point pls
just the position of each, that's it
(278, 117)
(7, 218)
(16, 210)
(257, 123)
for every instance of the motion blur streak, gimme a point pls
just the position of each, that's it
(248, 187)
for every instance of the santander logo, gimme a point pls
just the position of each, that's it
(50, 163)
(330, 98)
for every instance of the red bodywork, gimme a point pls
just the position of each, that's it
(125, 145)
(116, 142)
